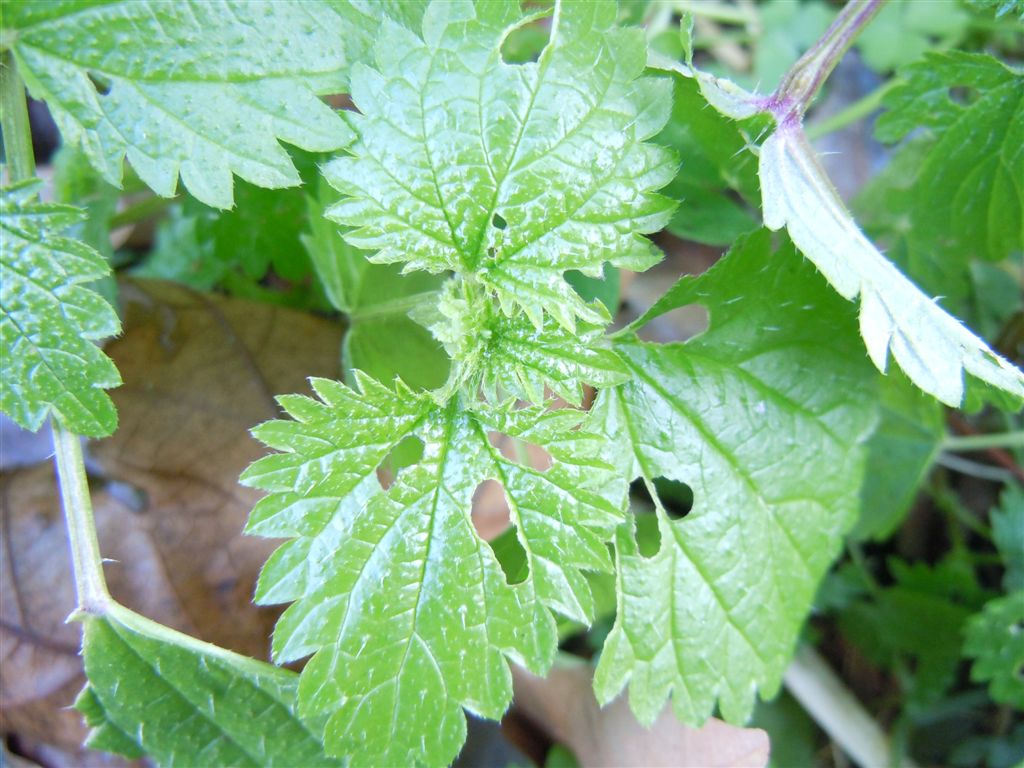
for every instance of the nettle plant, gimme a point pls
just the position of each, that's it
(487, 180)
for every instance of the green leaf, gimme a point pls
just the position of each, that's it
(1008, 535)
(775, 462)
(904, 621)
(995, 640)
(192, 88)
(408, 613)
(382, 339)
(968, 196)
(49, 321)
(932, 347)
(155, 692)
(507, 173)
(717, 180)
(900, 454)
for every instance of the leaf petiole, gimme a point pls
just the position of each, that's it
(90, 585)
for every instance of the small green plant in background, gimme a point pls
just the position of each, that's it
(470, 216)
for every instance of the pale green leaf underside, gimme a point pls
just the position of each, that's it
(995, 639)
(775, 463)
(48, 361)
(154, 692)
(407, 611)
(511, 173)
(200, 89)
(932, 347)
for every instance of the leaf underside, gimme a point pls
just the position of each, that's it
(932, 347)
(48, 361)
(774, 460)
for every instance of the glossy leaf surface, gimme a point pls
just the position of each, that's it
(511, 173)
(407, 611)
(117, 84)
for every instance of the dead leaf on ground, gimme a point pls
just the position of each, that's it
(563, 704)
(199, 372)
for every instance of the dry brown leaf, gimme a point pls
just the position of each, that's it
(199, 372)
(563, 704)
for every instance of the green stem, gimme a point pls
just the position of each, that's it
(90, 585)
(21, 162)
(984, 442)
(858, 110)
(805, 78)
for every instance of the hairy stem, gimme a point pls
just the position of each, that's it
(805, 78)
(21, 163)
(90, 585)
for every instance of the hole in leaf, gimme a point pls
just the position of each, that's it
(679, 324)
(521, 452)
(524, 42)
(408, 452)
(499, 221)
(676, 497)
(491, 520)
(101, 83)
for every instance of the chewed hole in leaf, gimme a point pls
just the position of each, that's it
(491, 520)
(499, 221)
(525, 42)
(674, 496)
(521, 452)
(408, 452)
(680, 324)
(101, 83)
